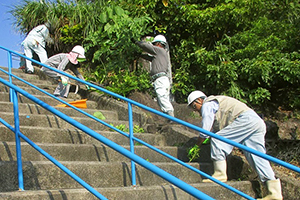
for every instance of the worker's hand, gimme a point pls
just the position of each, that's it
(200, 141)
(64, 80)
(206, 141)
(35, 43)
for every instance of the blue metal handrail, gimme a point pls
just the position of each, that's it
(172, 179)
(132, 138)
(179, 183)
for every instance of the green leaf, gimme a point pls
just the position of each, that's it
(103, 17)
(118, 10)
(99, 115)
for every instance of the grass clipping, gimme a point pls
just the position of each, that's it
(194, 152)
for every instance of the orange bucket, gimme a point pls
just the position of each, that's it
(77, 104)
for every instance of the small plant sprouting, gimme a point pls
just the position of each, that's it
(136, 128)
(193, 153)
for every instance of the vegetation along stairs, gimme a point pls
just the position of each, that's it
(99, 166)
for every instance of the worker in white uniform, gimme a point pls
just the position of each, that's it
(234, 120)
(63, 62)
(160, 70)
(35, 41)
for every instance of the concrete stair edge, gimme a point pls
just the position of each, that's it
(144, 119)
(45, 175)
(161, 192)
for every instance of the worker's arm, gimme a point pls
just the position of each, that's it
(208, 111)
(148, 47)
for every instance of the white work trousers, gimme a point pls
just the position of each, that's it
(31, 46)
(162, 88)
(248, 129)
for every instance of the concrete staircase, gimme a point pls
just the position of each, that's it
(101, 167)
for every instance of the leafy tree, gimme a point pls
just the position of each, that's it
(102, 27)
(71, 20)
(247, 49)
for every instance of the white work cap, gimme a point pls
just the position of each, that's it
(80, 50)
(160, 38)
(195, 95)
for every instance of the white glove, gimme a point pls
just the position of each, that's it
(35, 43)
(64, 80)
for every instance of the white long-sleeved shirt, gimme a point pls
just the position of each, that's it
(208, 111)
(39, 34)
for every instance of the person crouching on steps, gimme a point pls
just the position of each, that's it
(234, 120)
(63, 62)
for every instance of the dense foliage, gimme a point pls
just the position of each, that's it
(247, 49)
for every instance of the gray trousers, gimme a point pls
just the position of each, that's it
(60, 90)
(248, 129)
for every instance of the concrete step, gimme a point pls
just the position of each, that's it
(20, 73)
(45, 175)
(98, 165)
(34, 79)
(14, 70)
(31, 90)
(52, 121)
(39, 79)
(86, 152)
(26, 108)
(48, 88)
(38, 75)
(31, 78)
(74, 136)
(48, 85)
(160, 192)
(17, 72)
(4, 96)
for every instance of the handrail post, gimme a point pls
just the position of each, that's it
(17, 139)
(133, 174)
(9, 75)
